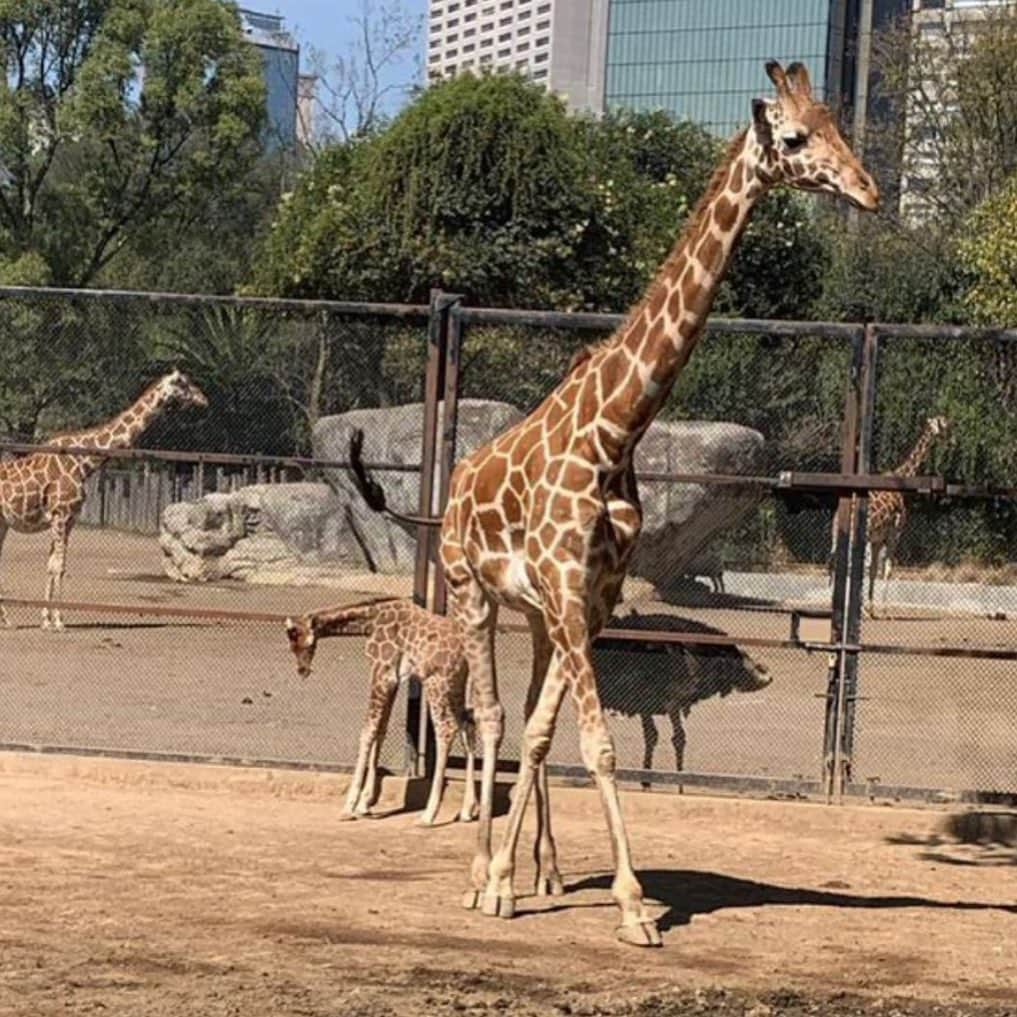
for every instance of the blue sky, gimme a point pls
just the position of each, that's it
(325, 24)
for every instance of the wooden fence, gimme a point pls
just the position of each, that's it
(132, 497)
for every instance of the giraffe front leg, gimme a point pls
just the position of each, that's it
(499, 897)
(548, 879)
(60, 530)
(361, 790)
(477, 616)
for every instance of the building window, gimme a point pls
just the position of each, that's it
(454, 37)
(451, 52)
(503, 53)
(434, 58)
(507, 4)
(487, 26)
(468, 32)
(484, 43)
(544, 9)
(522, 64)
(434, 44)
(541, 73)
(505, 21)
(522, 47)
(540, 58)
(505, 36)
(543, 25)
(469, 47)
(452, 22)
(542, 41)
(471, 16)
(485, 58)
(523, 30)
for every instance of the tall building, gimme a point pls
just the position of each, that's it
(280, 57)
(560, 43)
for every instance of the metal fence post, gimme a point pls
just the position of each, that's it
(853, 629)
(419, 736)
(841, 576)
(449, 426)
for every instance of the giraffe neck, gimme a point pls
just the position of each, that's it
(913, 463)
(338, 621)
(123, 430)
(639, 364)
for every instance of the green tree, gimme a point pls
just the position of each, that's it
(118, 119)
(114, 114)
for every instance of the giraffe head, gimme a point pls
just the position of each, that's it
(177, 388)
(303, 642)
(802, 146)
(937, 426)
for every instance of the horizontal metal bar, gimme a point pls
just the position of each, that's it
(153, 610)
(967, 651)
(801, 480)
(209, 458)
(905, 330)
(175, 757)
(589, 320)
(355, 308)
(720, 479)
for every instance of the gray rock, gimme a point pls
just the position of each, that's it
(223, 536)
(393, 436)
(680, 520)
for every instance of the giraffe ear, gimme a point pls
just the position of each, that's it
(764, 130)
(776, 74)
(798, 81)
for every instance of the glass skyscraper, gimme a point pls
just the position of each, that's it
(703, 59)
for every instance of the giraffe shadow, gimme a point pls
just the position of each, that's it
(687, 893)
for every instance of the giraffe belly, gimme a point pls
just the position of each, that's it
(517, 588)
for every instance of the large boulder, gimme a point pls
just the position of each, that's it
(392, 437)
(288, 529)
(254, 530)
(680, 520)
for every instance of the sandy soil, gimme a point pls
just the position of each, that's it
(172, 889)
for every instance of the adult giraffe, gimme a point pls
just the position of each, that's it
(47, 489)
(544, 518)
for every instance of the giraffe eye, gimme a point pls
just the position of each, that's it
(793, 142)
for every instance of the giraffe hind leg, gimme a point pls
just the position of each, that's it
(60, 530)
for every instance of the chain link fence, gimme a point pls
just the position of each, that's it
(739, 655)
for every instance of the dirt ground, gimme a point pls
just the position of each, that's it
(150, 890)
(211, 688)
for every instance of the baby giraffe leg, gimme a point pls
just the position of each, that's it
(445, 726)
(360, 791)
(468, 811)
(369, 792)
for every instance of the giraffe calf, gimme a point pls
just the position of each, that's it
(403, 641)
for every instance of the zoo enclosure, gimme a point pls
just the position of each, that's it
(859, 738)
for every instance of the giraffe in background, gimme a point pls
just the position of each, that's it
(544, 518)
(47, 489)
(403, 641)
(888, 511)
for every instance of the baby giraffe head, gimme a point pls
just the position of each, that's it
(801, 144)
(177, 388)
(303, 642)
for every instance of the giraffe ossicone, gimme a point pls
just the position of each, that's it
(543, 519)
(47, 489)
(403, 641)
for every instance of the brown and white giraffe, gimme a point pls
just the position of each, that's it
(544, 518)
(403, 641)
(888, 510)
(46, 490)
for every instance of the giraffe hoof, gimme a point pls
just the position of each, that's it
(471, 899)
(639, 933)
(495, 906)
(549, 886)
(347, 817)
(425, 821)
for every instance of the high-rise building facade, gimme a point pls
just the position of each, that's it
(559, 43)
(280, 60)
(704, 60)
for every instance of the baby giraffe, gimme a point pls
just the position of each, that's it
(403, 641)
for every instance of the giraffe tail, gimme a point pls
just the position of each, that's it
(371, 491)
